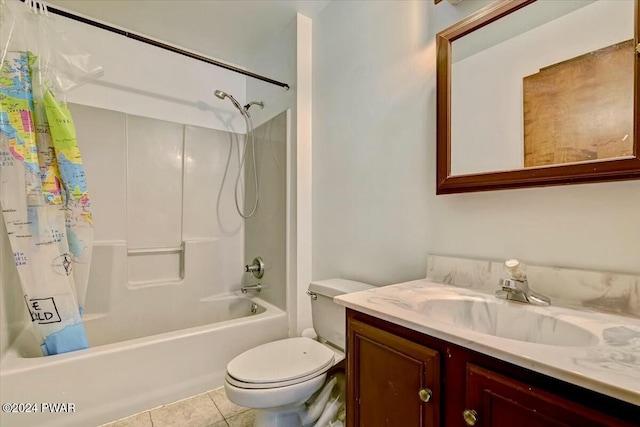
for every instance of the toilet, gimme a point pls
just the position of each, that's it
(277, 378)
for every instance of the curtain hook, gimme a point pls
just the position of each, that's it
(45, 9)
(39, 9)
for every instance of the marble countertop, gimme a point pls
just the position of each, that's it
(605, 356)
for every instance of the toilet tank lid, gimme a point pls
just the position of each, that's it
(334, 287)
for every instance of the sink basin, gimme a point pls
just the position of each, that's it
(507, 320)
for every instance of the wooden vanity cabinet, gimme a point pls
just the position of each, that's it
(391, 370)
(501, 401)
(394, 382)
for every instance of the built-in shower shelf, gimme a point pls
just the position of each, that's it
(155, 266)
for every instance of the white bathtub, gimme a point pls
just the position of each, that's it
(129, 370)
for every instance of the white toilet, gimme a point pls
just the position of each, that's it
(277, 378)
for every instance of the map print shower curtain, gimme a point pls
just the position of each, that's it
(44, 197)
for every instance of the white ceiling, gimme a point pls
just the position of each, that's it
(230, 30)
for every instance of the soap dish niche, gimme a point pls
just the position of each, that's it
(155, 266)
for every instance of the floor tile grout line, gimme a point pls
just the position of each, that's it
(217, 407)
(224, 395)
(236, 415)
(208, 393)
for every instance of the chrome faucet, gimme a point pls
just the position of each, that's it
(253, 288)
(256, 268)
(516, 287)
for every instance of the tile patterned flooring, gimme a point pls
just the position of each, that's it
(211, 409)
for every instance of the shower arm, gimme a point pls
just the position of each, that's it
(258, 103)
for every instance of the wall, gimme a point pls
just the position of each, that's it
(147, 81)
(287, 58)
(375, 212)
(265, 233)
(278, 60)
(373, 82)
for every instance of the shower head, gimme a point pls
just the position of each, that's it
(222, 95)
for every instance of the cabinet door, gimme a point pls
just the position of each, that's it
(392, 382)
(499, 401)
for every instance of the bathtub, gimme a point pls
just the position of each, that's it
(133, 366)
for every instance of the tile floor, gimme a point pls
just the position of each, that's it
(211, 409)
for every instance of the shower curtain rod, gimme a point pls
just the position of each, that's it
(163, 46)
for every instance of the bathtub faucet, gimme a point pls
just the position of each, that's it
(253, 288)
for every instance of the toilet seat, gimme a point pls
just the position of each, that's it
(271, 398)
(280, 363)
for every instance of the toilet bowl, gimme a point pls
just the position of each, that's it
(277, 378)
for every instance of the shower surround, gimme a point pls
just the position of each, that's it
(164, 313)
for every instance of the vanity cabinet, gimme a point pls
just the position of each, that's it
(496, 400)
(395, 382)
(397, 377)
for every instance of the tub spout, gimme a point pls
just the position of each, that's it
(253, 288)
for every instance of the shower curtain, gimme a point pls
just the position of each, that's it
(43, 191)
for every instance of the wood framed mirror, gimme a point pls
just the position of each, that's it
(536, 93)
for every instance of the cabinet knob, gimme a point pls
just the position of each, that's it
(470, 417)
(425, 394)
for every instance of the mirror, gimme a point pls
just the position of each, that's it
(534, 93)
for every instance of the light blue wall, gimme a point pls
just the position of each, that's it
(375, 212)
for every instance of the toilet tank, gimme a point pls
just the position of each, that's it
(328, 317)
